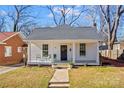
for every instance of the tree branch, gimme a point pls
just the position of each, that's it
(77, 17)
(54, 17)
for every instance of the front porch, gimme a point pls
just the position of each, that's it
(62, 51)
(77, 62)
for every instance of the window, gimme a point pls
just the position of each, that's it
(19, 49)
(8, 51)
(45, 50)
(82, 49)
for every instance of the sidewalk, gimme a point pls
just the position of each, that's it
(60, 79)
(6, 69)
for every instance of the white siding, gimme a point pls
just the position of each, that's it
(91, 52)
(35, 51)
(54, 48)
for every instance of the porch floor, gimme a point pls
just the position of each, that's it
(77, 62)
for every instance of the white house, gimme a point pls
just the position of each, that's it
(64, 43)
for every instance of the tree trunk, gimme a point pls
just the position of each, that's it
(109, 49)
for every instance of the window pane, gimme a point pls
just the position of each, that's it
(45, 53)
(82, 53)
(19, 49)
(5, 52)
(82, 49)
(45, 47)
(45, 50)
(8, 51)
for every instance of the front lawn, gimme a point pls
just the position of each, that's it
(97, 77)
(2, 66)
(27, 77)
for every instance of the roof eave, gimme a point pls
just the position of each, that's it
(10, 37)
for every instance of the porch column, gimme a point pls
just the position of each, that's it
(97, 59)
(29, 51)
(73, 52)
(52, 50)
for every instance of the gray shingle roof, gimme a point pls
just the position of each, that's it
(64, 32)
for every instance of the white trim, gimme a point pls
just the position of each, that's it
(68, 40)
(45, 50)
(10, 36)
(20, 35)
(52, 52)
(79, 64)
(1, 43)
(98, 53)
(19, 49)
(7, 51)
(80, 50)
(29, 51)
(41, 50)
(73, 51)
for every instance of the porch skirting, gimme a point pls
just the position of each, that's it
(86, 62)
(38, 63)
(77, 62)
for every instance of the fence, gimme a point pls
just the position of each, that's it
(114, 54)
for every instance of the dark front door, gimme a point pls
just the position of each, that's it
(63, 52)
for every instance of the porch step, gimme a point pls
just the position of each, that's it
(59, 82)
(59, 85)
(63, 66)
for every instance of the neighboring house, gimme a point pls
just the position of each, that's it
(64, 43)
(1, 42)
(10, 48)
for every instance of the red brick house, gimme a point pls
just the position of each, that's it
(10, 48)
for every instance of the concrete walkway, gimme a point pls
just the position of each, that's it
(60, 79)
(5, 69)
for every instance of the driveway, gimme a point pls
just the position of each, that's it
(5, 69)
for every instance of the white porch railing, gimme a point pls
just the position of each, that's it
(44, 60)
(38, 60)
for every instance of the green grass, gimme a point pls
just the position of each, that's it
(97, 77)
(27, 77)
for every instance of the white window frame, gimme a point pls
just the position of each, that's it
(8, 51)
(45, 50)
(83, 49)
(19, 49)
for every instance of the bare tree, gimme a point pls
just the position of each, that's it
(21, 18)
(92, 14)
(67, 14)
(112, 15)
(2, 24)
(2, 20)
